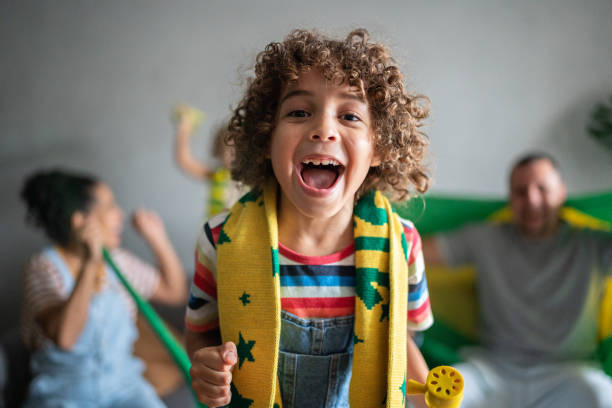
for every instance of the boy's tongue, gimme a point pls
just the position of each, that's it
(319, 178)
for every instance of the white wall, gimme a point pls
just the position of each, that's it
(89, 85)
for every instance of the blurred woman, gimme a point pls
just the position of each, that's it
(78, 321)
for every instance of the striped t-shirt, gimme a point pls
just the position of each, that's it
(312, 287)
(43, 288)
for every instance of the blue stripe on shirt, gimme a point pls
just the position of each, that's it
(416, 291)
(306, 280)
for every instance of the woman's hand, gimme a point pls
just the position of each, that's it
(172, 288)
(91, 237)
(148, 224)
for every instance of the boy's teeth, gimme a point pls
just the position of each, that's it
(323, 162)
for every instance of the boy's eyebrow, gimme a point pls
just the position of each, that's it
(296, 92)
(302, 92)
(358, 96)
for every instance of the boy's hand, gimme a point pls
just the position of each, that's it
(211, 374)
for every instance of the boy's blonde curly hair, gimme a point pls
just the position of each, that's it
(396, 115)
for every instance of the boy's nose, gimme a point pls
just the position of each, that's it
(324, 137)
(324, 131)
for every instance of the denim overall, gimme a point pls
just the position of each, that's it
(100, 370)
(315, 361)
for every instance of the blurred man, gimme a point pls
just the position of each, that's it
(540, 283)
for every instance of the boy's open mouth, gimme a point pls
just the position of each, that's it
(320, 174)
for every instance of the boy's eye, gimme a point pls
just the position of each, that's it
(350, 117)
(298, 114)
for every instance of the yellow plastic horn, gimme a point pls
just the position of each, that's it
(196, 116)
(443, 388)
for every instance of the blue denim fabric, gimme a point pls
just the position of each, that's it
(315, 361)
(100, 370)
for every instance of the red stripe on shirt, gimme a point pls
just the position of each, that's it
(205, 280)
(202, 328)
(319, 302)
(418, 315)
(413, 236)
(316, 260)
(215, 232)
(319, 307)
(321, 313)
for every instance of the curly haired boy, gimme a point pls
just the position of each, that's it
(306, 292)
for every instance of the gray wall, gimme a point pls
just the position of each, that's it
(88, 85)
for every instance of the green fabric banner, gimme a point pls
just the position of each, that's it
(437, 213)
(175, 348)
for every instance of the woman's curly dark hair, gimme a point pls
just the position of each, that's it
(396, 115)
(53, 196)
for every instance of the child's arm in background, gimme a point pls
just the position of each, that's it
(185, 126)
(211, 367)
(416, 370)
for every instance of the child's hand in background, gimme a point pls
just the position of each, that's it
(211, 374)
(186, 119)
(185, 124)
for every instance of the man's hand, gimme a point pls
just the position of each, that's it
(211, 374)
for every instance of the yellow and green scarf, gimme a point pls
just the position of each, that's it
(248, 289)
